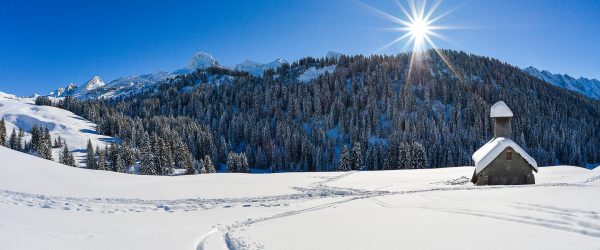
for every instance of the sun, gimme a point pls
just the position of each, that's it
(419, 28)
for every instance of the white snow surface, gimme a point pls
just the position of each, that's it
(488, 152)
(500, 109)
(94, 83)
(200, 60)
(45, 205)
(256, 68)
(23, 113)
(314, 73)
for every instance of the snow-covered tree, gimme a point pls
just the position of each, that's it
(2, 132)
(66, 157)
(12, 141)
(116, 160)
(20, 139)
(90, 156)
(207, 165)
(419, 156)
(344, 164)
(102, 162)
(357, 157)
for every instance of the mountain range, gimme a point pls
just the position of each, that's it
(128, 85)
(584, 86)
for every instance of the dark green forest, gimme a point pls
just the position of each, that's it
(369, 114)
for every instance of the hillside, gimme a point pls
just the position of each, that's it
(23, 113)
(58, 207)
(305, 115)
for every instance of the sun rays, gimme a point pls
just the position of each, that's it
(418, 28)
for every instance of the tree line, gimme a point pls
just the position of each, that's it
(369, 114)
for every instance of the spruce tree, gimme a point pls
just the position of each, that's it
(403, 155)
(12, 142)
(207, 165)
(116, 160)
(147, 163)
(243, 166)
(166, 158)
(420, 156)
(344, 164)
(90, 156)
(2, 132)
(129, 158)
(43, 143)
(231, 163)
(66, 157)
(20, 140)
(102, 164)
(357, 157)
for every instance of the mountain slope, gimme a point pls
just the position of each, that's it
(95, 88)
(22, 113)
(52, 206)
(584, 86)
(256, 68)
(366, 105)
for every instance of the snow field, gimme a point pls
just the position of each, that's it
(47, 205)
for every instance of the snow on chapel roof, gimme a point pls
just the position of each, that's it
(500, 109)
(488, 152)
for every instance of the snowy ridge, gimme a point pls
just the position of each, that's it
(587, 87)
(488, 152)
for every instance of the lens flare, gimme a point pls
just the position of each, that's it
(419, 28)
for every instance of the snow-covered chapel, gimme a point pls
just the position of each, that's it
(501, 161)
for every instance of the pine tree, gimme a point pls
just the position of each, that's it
(207, 165)
(116, 160)
(44, 143)
(12, 142)
(129, 158)
(243, 163)
(147, 163)
(357, 157)
(20, 140)
(102, 164)
(344, 164)
(165, 158)
(231, 163)
(66, 157)
(2, 132)
(420, 156)
(35, 139)
(90, 156)
(58, 142)
(183, 158)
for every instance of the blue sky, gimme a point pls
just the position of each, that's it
(46, 44)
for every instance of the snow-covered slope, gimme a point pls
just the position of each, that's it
(52, 206)
(587, 87)
(124, 86)
(314, 73)
(22, 113)
(200, 60)
(256, 68)
(94, 83)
